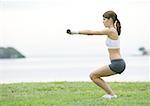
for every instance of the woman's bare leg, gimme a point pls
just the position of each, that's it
(96, 78)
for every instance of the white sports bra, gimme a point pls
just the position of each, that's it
(112, 44)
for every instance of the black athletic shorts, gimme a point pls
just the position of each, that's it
(117, 65)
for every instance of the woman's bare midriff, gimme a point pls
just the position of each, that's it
(114, 54)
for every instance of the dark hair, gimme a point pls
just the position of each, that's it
(113, 15)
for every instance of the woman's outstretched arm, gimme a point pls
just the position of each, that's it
(105, 31)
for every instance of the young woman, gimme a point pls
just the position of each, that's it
(112, 30)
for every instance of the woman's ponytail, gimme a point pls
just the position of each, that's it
(118, 26)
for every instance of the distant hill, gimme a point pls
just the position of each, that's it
(10, 52)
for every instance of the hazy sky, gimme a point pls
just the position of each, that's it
(37, 27)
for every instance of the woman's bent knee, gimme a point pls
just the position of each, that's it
(93, 76)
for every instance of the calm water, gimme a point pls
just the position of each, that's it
(69, 68)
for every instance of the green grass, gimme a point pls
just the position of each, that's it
(73, 94)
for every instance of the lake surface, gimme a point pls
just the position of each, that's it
(69, 68)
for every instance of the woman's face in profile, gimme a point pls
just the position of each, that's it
(106, 22)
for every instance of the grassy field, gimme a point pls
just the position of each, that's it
(73, 94)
